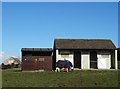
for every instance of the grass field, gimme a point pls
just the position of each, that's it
(82, 78)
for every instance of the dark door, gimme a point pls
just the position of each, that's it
(77, 59)
(93, 60)
(41, 64)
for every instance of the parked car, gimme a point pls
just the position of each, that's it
(64, 65)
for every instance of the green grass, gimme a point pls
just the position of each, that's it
(82, 78)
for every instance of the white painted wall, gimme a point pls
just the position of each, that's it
(116, 65)
(85, 60)
(11, 61)
(104, 60)
(68, 57)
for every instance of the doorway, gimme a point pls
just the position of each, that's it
(93, 59)
(77, 59)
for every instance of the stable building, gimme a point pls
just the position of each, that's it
(86, 53)
(118, 52)
(36, 59)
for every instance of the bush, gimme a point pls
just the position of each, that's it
(10, 66)
(16, 66)
(6, 66)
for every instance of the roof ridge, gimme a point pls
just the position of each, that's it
(80, 39)
(85, 44)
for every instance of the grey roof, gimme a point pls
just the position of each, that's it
(84, 44)
(37, 49)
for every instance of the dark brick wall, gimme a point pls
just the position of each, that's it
(37, 63)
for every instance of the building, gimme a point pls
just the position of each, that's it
(86, 53)
(118, 54)
(12, 60)
(36, 59)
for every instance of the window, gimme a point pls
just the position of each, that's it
(41, 59)
(64, 52)
(65, 55)
(28, 56)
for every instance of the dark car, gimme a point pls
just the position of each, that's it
(64, 64)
